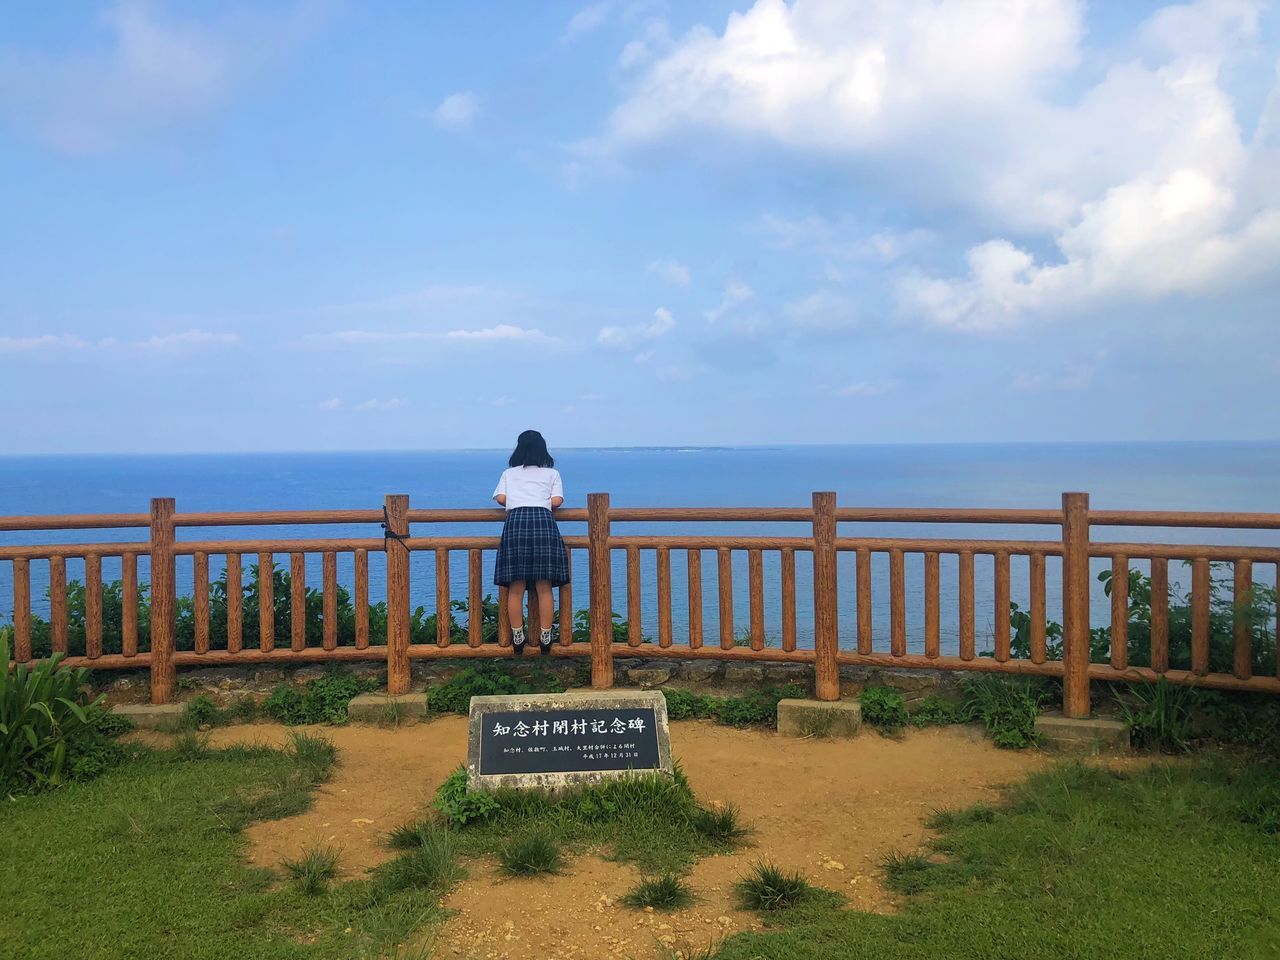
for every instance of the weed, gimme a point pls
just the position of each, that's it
(768, 887)
(192, 745)
(200, 712)
(721, 825)
(1007, 708)
(818, 723)
(461, 806)
(757, 707)
(1159, 716)
(530, 855)
(409, 835)
(484, 680)
(884, 707)
(322, 701)
(431, 864)
(934, 711)
(312, 871)
(664, 892)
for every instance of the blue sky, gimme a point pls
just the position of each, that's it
(337, 225)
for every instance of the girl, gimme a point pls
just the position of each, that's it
(531, 548)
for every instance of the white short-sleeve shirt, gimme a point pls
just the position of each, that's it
(530, 486)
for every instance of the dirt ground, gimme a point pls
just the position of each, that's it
(828, 808)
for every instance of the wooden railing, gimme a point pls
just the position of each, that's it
(601, 542)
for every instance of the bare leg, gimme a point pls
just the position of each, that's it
(546, 606)
(515, 604)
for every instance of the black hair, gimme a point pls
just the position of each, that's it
(531, 451)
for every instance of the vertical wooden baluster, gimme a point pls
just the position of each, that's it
(1075, 605)
(966, 605)
(932, 639)
(58, 603)
(444, 614)
(826, 599)
(664, 597)
(504, 618)
(566, 602)
(1200, 616)
(1002, 639)
(235, 597)
(788, 598)
(533, 620)
(92, 606)
(397, 507)
(863, 576)
(361, 600)
(1120, 612)
(755, 587)
(1039, 620)
(164, 599)
(200, 563)
(1242, 665)
(635, 628)
(1159, 614)
(329, 599)
(724, 577)
(695, 599)
(298, 601)
(475, 598)
(601, 590)
(21, 610)
(266, 601)
(897, 604)
(129, 605)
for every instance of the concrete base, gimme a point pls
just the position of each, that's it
(819, 718)
(148, 716)
(386, 708)
(1095, 735)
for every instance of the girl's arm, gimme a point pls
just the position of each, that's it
(555, 502)
(557, 491)
(500, 494)
(501, 498)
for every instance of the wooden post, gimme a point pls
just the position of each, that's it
(826, 622)
(664, 597)
(1242, 662)
(788, 598)
(1120, 612)
(163, 599)
(932, 637)
(635, 625)
(329, 599)
(21, 610)
(601, 602)
(397, 506)
(200, 566)
(897, 604)
(297, 601)
(1200, 590)
(862, 574)
(129, 605)
(694, 558)
(266, 601)
(361, 600)
(1039, 621)
(444, 613)
(965, 574)
(1002, 637)
(755, 594)
(1075, 605)
(235, 596)
(475, 598)
(566, 602)
(1159, 615)
(93, 606)
(58, 603)
(724, 583)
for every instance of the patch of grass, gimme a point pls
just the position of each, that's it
(409, 835)
(754, 708)
(530, 855)
(431, 864)
(484, 680)
(285, 793)
(818, 723)
(934, 711)
(768, 887)
(884, 707)
(1007, 708)
(647, 819)
(192, 745)
(1159, 716)
(200, 712)
(1171, 861)
(321, 701)
(664, 892)
(312, 872)
(155, 873)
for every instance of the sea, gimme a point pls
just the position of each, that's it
(1144, 475)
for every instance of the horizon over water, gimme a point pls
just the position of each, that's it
(1150, 475)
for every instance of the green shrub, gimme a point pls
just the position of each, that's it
(461, 806)
(722, 825)
(530, 855)
(487, 680)
(664, 892)
(48, 725)
(431, 864)
(200, 712)
(757, 707)
(687, 705)
(884, 707)
(322, 701)
(934, 711)
(1007, 708)
(113, 724)
(1159, 716)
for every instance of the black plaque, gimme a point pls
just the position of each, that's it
(568, 741)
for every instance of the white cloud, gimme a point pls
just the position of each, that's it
(865, 389)
(185, 341)
(46, 341)
(333, 403)
(661, 324)
(587, 20)
(189, 339)
(822, 311)
(672, 271)
(155, 74)
(393, 404)
(1141, 180)
(498, 333)
(456, 110)
(734, 294)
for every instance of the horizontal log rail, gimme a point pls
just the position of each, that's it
(602, 548)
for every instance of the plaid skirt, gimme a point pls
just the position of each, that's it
(531, 549)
